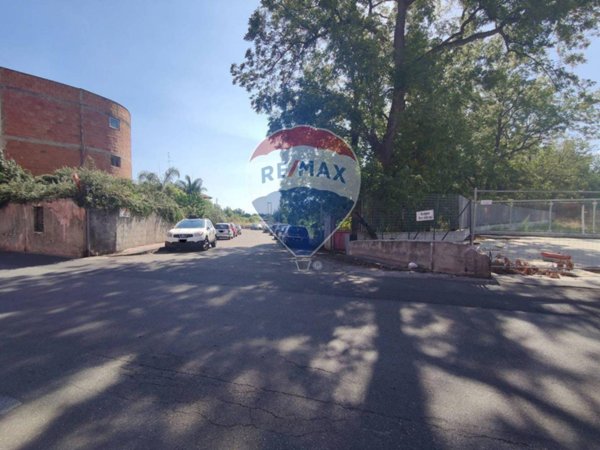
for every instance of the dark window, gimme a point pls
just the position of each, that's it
(115, 160)
(191, 223)
(38, 219)
(113, 122)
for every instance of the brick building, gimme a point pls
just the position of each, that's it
(45, 125)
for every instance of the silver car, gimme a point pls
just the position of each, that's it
(224, 231)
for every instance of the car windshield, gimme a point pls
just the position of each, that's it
(297, 231)
(191, 223)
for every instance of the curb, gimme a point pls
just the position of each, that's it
(138, 250)
(580, 282)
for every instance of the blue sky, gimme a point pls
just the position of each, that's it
(168, 63)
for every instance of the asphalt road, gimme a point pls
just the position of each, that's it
(235, 348)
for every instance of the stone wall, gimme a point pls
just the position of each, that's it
(436, 256)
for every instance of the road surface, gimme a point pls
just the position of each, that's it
(234, 348)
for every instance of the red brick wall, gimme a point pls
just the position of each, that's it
(45, 125)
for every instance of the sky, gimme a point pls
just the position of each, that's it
(168, 63)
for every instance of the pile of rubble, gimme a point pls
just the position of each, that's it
(562, 265)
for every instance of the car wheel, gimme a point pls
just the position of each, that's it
(214, 243)
(205, 244)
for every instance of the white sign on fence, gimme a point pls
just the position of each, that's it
(425, 215)
(486, 202)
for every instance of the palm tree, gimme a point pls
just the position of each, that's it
(152, 178)
(190, 186)
(148, 177)
(169, 176)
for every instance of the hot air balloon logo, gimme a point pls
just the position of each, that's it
(304, 183)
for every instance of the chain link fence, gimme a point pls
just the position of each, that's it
(433, 217)
(530, 225)
(518, 225)
(556, 216)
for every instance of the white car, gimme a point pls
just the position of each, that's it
(199, 233)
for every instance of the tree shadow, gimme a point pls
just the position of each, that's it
(15, 260)
(230, 348)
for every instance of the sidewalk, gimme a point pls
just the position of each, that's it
(141, 250)
(582, 279)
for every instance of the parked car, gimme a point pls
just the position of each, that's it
(273, 229)
(239, 228)
(281, 231)
(224, 231)
(296, 237)
(199, 233)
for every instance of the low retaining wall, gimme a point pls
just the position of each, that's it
(436, 256)
(448, 236)
(63, 229)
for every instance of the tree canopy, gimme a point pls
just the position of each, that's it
(432, 95)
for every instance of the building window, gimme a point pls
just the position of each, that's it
(113, 122)
(38, 219)
(115, 161)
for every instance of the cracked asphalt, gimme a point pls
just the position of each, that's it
(235, 348)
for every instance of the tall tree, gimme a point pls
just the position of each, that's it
(357, 65)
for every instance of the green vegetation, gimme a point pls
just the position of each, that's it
(91, 188)
(434, 97)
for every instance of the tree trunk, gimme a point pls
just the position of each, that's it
(386, 148)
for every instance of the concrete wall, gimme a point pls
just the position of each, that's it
(63, 235)
(136, 231)
(65, 230)
(435, 256)
(103, 232)
(451, 236)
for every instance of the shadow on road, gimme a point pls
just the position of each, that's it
(234, 348)
(13, 260)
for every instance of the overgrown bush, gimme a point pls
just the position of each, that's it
(89, 188)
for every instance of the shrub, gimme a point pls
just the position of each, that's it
(88, 187)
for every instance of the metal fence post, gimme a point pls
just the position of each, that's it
(583, 219)
(472, 204)
(550, 216)
(594, 204)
